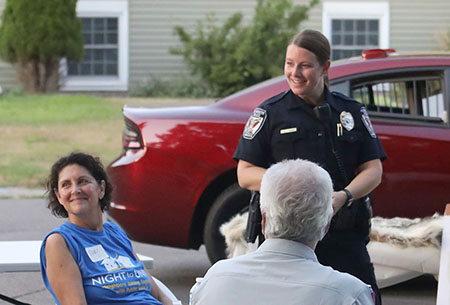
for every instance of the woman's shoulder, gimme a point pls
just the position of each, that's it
(55, 239)
(58, 231)
(274, 99)
(54, 244)
(113, 228)
(58, 235)
(345, 102)
(115, 233)
(342, 97)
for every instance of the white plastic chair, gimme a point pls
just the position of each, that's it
(167, 292)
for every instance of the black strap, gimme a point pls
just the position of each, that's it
(12, 301)
(323, 113)
(337, 154)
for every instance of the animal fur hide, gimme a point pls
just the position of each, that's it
(405, 232)
(234, 231)
(401, 232)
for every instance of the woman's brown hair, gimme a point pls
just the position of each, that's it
(92, 165)
(315, 42)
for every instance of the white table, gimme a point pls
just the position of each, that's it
(23, 256)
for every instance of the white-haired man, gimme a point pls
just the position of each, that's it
(296, 212)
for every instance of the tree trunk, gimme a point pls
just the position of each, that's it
(27, 76)
(39, 77)
(36, 75)
(50, 81)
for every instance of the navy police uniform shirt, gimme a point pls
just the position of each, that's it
(285, 127)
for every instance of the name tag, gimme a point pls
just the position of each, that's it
(288, 130)
(96, 253)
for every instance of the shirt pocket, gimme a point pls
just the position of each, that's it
(293, 145)
(349, 145)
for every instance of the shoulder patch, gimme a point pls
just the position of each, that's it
(254, 123)
(366, 121)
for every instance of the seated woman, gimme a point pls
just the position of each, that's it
(86, 261)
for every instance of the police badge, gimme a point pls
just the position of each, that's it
(365, 119)
(347, 120)
(254, 123)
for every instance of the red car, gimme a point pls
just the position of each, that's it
(175, 181)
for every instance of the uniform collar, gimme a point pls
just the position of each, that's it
(332, 101)
(297, 102)
(294, 102)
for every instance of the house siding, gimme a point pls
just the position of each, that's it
(414, 25)
(418, 25)
(8, 79)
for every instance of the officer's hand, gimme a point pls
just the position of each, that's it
(338, 200)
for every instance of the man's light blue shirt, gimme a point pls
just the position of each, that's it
(279, 272)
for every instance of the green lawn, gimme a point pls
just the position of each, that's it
(37, 129)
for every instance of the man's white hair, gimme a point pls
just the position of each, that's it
(296, 201)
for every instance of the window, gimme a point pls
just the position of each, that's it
(419, 97)
(105, 63)
(352, 27)
(432, 99)
(349, 37)
(100, 48)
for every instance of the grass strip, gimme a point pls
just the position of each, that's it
(35, 130)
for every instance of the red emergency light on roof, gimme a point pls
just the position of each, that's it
(376, 53)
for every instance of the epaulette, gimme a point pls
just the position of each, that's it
(276, 98)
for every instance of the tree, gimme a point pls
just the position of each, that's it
(35, 35)
(233, 56)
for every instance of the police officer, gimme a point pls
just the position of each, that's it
(331, 129)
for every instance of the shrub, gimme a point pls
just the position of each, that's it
(233, 56)
(173, 87)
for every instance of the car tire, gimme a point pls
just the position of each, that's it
(230, 202)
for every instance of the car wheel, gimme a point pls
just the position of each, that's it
(230, 202)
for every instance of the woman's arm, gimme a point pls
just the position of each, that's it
(249, 175)
(367, 179)
(63, 273)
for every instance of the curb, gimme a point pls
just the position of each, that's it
(20, 192)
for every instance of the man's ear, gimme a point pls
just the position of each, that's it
(263, 223)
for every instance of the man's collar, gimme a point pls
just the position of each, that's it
(289, 247)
